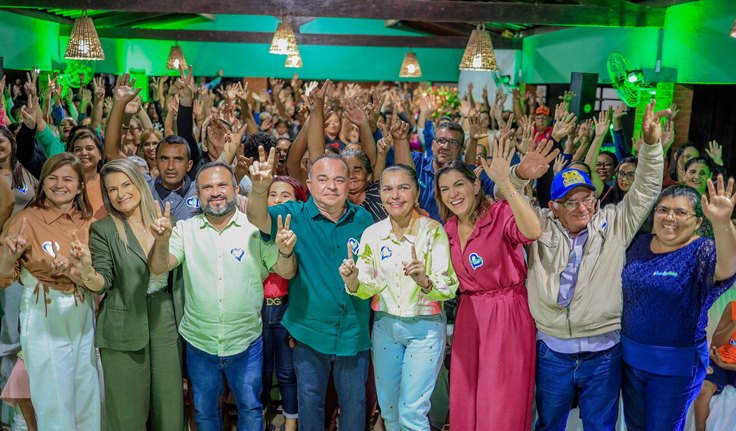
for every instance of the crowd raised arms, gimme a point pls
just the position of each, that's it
(354, 239)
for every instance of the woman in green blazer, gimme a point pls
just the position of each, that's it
(136, 329)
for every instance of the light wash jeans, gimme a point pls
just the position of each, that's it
(407, 357)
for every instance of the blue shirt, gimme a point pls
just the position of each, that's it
(568, 281)
(320, 313)
(667, 295)
(425, 172)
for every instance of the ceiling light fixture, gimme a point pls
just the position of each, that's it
(176, 58)
(410, 66)
(84, 44)
(479, 53)
(284, 40)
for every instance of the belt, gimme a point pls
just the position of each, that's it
(277, 301)
(665, 361)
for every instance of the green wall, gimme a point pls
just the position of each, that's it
(695, 41)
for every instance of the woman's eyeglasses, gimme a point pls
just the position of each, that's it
(679, 214)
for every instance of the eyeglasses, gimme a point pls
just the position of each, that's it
(444, 142)
(628, 175)
(572, 205)
(603, 164)
(679, 214)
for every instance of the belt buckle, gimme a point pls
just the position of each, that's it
(273, 301)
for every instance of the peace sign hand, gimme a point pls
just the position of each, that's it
(15, 245)
(162, 228)
(415, 269)
(349, 272)
(719, 207)
(261, 172)
(285, 237)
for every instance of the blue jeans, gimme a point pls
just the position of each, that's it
(653, 402)
(407, 356)
(277, 354)
(313, 374)
(595, 377)
(243, 372)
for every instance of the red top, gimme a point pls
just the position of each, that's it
(728, 350)
(493, 259)
(275, 286)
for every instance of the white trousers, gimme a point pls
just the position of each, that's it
(57, 337)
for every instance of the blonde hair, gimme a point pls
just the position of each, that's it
(144, 137)
(148, 210)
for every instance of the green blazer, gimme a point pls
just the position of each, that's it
(123, 321)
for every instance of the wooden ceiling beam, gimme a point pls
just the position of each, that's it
(617, 14)
(302, 38)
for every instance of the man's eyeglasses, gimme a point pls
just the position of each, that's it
(679, 214)
(573, 205)
(628, 175)
(603, 165)
(444, 142)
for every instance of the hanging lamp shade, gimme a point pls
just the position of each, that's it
(479, 53)
(733, 30)
(293, 60)
(410, 66)
(176, 58)
(83, 42)
(284, 40)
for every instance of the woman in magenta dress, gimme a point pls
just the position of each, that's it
(493, 346)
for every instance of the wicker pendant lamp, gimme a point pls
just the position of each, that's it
(83, 42)
(293, 60)
(284, 40)
(410, 66)
(176, 59)
(479, 53)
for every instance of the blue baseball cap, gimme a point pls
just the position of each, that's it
(568, 179)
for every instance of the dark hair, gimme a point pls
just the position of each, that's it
(86, 133)
(81, 201)
(258, 139)
(15, 167)
(469, 175)
(628, 160)
(455, 127)
(680, 191)
(280, 120)
(403, 168)
(582, 163)
(331, 156)
(678, 153)
(77, 129)
(212, 165)
(702, 160)
(174, 140)
(299, 193)
(611, 155)
(361, 156)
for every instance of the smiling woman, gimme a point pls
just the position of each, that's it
(86, 145)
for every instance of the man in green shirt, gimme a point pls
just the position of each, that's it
(225, 261)
(329, 326)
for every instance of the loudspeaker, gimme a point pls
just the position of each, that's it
(584, 85)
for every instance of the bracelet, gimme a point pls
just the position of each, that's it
(725, 229)
(286, 256)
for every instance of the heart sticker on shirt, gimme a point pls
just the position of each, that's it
(238, 254)
(50, 247)
(475, 260)
(354, 245)
(386, 252)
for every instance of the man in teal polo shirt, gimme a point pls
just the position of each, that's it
(330, 327)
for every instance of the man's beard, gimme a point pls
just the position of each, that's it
(219, 212)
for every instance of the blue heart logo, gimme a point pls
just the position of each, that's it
(23, 188)
(193, 202)
(238, 254)
(354, 244)
(386, 252)
(475, 260)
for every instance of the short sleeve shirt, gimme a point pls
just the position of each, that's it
(223, 282)
(321, 314)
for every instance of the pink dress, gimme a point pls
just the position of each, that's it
(493, 346)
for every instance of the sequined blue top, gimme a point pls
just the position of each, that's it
(667, 295)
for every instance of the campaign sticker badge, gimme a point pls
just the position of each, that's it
(475, 260)
(238, 254)
(354, 245)
(50, 247)
(386, 252)
(193, 202)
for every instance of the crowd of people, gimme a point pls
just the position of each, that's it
(325, 235)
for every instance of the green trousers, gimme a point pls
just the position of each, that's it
(148, 382)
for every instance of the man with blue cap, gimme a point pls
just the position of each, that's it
(574, 286)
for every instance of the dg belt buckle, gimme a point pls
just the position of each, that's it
(273, 301)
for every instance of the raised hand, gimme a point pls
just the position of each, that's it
(29, 112)
(99, 89)
(354, 112)
(30, 84)
(715, 152)
(560, 163)
(535, 162)
(285, 237)
(123, 92)
(498, 168)
(415, 269)
(719, 202)
(563, 125)
(652, 133)
(261, 172)
(161, 228)
(15, 245)
(185, 85)
(621, 110)
(673, 111)
(348, 271)
(602, 123)
(668, 134)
